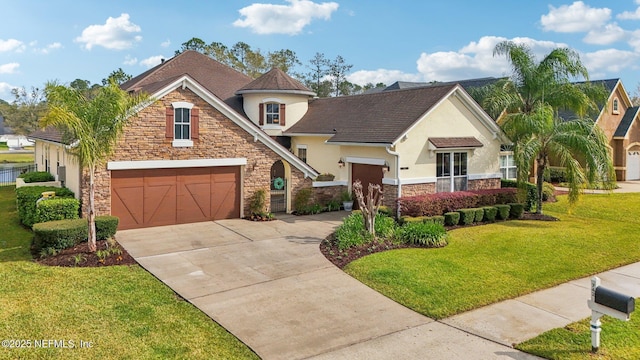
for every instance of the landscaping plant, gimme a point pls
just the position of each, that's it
(369, 205)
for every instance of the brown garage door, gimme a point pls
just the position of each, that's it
(367, 174)
(155, 197)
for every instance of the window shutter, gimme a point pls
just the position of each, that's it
(261, 116)
(282, 112)
(195, 123)
(169, 125)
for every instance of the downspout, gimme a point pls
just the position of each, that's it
(397, 155)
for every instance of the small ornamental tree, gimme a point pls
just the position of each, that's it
(369, 205)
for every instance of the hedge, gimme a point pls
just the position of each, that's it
(437, 219)
(503, 211)
(479, 214)
(27, 196)
(467, 216)
(516, 211)
(490, 213)
(531, 193)
(440, 203)
(60, 234)
(451, 218)
(36, 176)
(57, 209)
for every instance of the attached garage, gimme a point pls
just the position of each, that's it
(633, 165)
(367, 174)
(155, 197)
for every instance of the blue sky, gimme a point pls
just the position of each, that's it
(42, 40)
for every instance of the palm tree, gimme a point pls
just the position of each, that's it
(529, 103)
(94, 121)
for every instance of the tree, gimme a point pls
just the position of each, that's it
(370, 205)
(338, 69)
(119, 76)
(23, 113)
(531, 100)
(95, 123)
(284, 60)
(194, 43)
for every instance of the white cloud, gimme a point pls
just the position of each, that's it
(11, 45)
(609, 34)
(5, 89)
(283, 19)
(576, 17)
(166, 43)
(152, 61)
(9, 68)
(628, 15)
(116, 34)
(47, 49)
(363, 77)
(476, 59)
(610, 61)
(128, 60)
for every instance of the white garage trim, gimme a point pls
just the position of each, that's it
(365, 161)
(165, 164)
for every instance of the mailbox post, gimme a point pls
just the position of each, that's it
(606, 302)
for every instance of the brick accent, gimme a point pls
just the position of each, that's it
(483, 184)
(418, 189)
(322, 195)
(219, 137)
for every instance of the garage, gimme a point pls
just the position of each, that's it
(633, 165)
(156, 197)
(367, 174)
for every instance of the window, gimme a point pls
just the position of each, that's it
(615, 106)
(507, 166)
(182, 123)
(272, 113)
(451, 171)
(302, 152)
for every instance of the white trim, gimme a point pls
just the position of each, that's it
(341, 143)
(317, 184)
(182, 143)
(166, 164)
(272, 100)
(306, 134)
(366, 161)
(272, 127)
(301, 146)
(286, 92)
(413, 181)
(182, 105)
(389, 181)
(484, 176)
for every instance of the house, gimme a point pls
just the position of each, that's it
(212, 137)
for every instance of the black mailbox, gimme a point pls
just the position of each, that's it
(615, 300)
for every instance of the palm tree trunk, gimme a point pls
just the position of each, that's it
(539, 182)
(92, 211)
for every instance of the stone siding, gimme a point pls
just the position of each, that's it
(483, 184)
(219, 137)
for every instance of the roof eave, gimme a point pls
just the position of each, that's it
(266, 91)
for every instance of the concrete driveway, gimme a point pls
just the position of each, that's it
(269, 285)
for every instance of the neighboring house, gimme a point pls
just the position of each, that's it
(212, 137)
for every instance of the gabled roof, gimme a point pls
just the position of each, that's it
(49, 134)
(219, 79)
(625, 123)
(379, 118)
(466, 84)
(275, 80)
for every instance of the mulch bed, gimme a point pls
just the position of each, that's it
(85, 258)
(329, 247)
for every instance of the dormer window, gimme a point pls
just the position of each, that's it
(615, 107)
(182, 124)
(272, 113)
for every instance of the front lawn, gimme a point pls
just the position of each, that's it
(123, 311)
(16, 158)
(489, 263)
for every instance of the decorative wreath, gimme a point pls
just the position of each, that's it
(278, 183)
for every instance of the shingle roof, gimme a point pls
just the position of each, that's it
(466, 84)
(378, 118)
(275, 80)
(219, 79)
(49, 134)
(626, 121)
(455, 142)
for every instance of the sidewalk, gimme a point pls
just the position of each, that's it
(514, 321)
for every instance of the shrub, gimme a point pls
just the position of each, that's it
(302, 199)
(451, 218)
(332, 205)
(490, 197)
(385, 226)
(27, 196)
(503, 211)
(548, 192)
(490, 213)
(467, 216)
(106, 226)
(419, 233)
(257, 205)
(437, 204)
(36, 176)
(555, 175)
(437, 219)
(60, 234)
(351, 232)
(57, 209)
(516, 211)
(479, 215)
(531, 193)
(385, 210)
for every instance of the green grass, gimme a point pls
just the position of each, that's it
(619, 340)
(124, 311)
(16, 158)
(489, 263)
